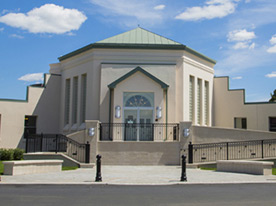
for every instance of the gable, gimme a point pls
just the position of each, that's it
(138, 69)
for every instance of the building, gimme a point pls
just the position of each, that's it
(142, 83)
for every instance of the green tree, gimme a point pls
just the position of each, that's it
(273, 96)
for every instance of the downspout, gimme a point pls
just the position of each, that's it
(166, 91)
(109, 121)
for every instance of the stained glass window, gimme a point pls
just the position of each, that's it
(138, 101)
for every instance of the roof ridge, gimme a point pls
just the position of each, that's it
(159, 35)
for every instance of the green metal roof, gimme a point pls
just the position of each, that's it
(138, 69)
(138, 38)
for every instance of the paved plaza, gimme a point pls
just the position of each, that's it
(137, 175)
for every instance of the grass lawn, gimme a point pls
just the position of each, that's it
(1, 168)
(69, 168)
(210, 168)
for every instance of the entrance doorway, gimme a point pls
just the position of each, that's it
(138, 117)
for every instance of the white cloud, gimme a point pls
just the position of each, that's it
(32, 77)
(213, 9)
(252, 46)
(238, 77)
(240, 35)
(159, 7)
(129, 13)
(1, 29)
(49, 18)
(247, 1)
(17, 36)
(271, 75)
(272, 49)
(273, 39)
(241, 45)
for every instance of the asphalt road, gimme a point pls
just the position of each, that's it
(223, 195)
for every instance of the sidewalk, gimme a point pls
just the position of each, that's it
(140, 175)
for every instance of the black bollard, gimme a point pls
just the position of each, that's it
(183, 172)
(98, 172)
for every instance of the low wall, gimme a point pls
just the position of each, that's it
(67, 161)
(201, 135)
(242, 166)
(139, 153)
(31, 167)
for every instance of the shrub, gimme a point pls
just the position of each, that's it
(11, 154)
(6, 154)
(18, 154)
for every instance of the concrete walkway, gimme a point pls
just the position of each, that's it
(145, 175)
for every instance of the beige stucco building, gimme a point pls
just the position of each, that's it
(135, 78)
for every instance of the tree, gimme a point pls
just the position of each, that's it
(273, 96)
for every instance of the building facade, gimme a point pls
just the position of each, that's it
(135, 78)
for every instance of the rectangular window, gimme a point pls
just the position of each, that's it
(206, 102)
(272, 124)
(240, 123)
(191, 99)
(30, 125)
(199, 100)
(67, 102)
(75, 100)
(83, 97)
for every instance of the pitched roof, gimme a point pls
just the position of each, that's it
(138, 69)
(138, 38)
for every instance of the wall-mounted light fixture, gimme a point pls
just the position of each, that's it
(186, 132)
(117, 112)
(91, 132)
(158, 112)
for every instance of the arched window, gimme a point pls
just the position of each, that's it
(138, 101)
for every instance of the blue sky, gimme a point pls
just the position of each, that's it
(239, 34)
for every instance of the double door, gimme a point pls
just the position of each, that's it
(138, 124)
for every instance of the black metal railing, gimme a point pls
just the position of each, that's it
(139, 132)
(254, 149)
(58, 143)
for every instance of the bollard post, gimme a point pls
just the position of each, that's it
(98, 169)
(87, 152)
(183, 172)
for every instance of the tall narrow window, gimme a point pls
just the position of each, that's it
(67, 102)
(83, 97)
(191, 99)
(199, 100)
(240, 123)
(206, 102)
(30, 125)
(75, 100)
(272, 124)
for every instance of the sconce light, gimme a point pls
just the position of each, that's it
(117, 112)
(186, 132)
(158, 112)
(91, 132)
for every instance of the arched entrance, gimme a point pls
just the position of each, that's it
(138, 116)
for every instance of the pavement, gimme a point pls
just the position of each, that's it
(137, 175)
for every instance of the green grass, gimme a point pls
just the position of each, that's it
(1, 168)
(274, 171)
(208, 168)
(69, 168)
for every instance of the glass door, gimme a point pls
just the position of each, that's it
(146, 126)
(131, 132)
